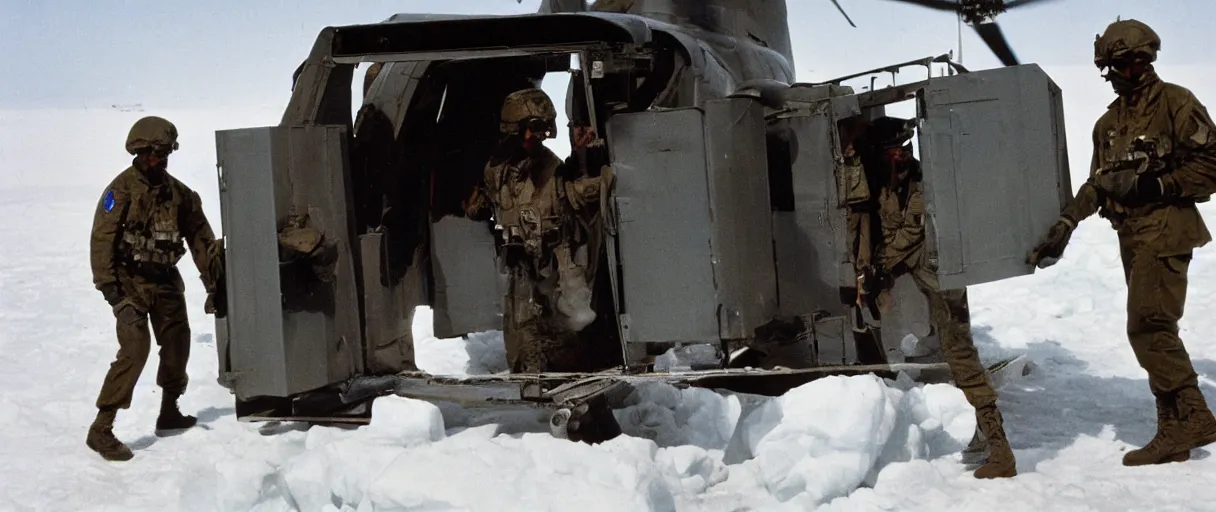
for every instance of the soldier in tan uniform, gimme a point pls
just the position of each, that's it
(1154, 158)
(887, 223)
(138, 228)
(542, 207)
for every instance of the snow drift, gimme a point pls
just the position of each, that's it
(802, 450)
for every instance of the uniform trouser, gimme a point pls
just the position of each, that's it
(1156, 294)
(952, 317)
(533, 341)
(165, 305)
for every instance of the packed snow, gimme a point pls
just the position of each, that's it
(857, 443)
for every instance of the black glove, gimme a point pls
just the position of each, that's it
(875, 280)
(112, 293)
(217, 303)
(1052, 246)
(1149, 188)
(1129, 187)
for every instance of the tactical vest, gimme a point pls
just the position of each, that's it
(150, 232)
(531, 217)
(1137, 139)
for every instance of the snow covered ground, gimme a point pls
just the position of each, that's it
(840, 444)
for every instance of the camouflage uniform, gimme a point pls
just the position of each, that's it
(540, 207)
(1154, 158)
(136, 242)
(896, 212)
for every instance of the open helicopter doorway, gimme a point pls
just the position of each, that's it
(907, 333)
(467, 284)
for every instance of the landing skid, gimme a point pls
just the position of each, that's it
(581, 403)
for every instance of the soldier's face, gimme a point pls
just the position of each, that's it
(157, 159)
(535, 132)
(1127, 68)
(1123, 74)
(895, 155)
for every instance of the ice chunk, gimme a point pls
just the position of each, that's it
(400, 421)
(671, 416)
(829, 436)
(533, 472)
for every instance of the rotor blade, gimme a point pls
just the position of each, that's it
(991, 34)
(942, 5)
(842, 13)
(1018, 3)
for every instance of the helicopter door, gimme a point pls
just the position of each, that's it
(991, 141)
(292, 325)
(694, 229)
(463, 263)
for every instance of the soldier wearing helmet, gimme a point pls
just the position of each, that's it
(885, 192)
(1154, 158)
(542, 207)
(139, 226)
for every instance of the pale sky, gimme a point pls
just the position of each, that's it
(178, 53)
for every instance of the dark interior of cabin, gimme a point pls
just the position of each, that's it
(406, 180)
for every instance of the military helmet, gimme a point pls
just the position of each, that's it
(530, 108)
(152, 132)
(1125, 38)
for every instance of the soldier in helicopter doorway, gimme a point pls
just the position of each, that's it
(542, 206)
(887, 229)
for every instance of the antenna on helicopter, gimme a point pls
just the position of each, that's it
(842, 13)
(980, 15)
(959, 19)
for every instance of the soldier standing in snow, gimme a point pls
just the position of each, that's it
(887, 228)
(1154, 158)
(138, 228)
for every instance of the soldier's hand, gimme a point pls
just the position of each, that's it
(1049, 250)
(583, 136)
(111, 293)
(1128, 186)
(1119, 185)
(216, 305)
(607, 177)
(472, 204)
(127, 313)
(875, 280)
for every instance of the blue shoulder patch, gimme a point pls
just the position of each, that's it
(108, 204)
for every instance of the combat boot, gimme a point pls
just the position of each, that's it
(170, 417)
(101, 438)
(1165, 445)
(1196, 426)
(976, 452)
(1001, 463)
